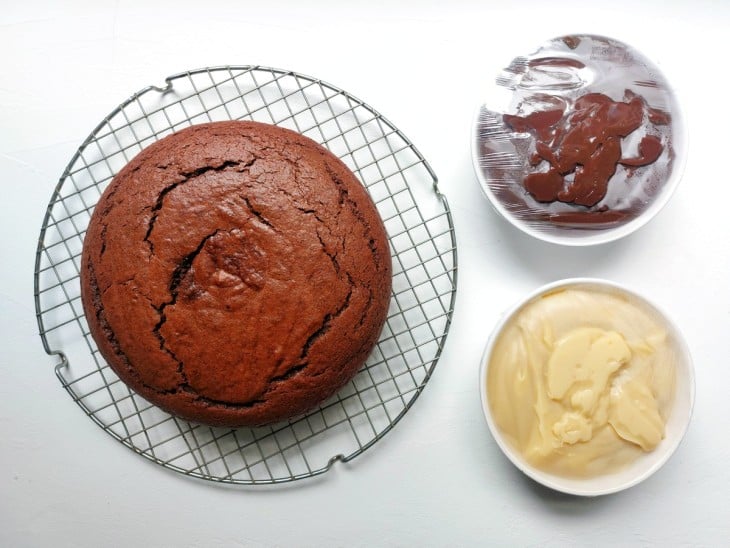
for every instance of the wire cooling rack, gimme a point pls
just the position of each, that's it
(421, 233)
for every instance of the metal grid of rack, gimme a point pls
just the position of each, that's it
(423, 246)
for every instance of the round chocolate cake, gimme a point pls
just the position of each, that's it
(235, 273)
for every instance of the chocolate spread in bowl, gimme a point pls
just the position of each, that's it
(583, 135)
(585, 142)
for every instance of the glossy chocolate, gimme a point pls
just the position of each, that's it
(582, 145)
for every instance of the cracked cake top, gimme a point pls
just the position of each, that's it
(235, 273)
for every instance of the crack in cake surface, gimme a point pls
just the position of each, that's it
(177, 275)
(257, 213)
(187, 176)
(109, 335)
(344, 197)
(326, 324)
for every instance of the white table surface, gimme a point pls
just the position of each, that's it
(438, 478)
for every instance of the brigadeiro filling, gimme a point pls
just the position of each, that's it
(581, 145)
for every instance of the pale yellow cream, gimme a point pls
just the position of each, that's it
(581, 381)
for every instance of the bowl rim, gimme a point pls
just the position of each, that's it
(597, 236)
(580, 486)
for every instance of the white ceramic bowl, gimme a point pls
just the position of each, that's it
(647, 463)
(500, 156)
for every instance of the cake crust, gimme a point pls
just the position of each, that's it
(235, 274)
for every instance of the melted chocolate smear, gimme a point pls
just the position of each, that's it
(571, 41)
(585, 143)
(659, 117)
(556, 62)
(650, 148)
(540, 122)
